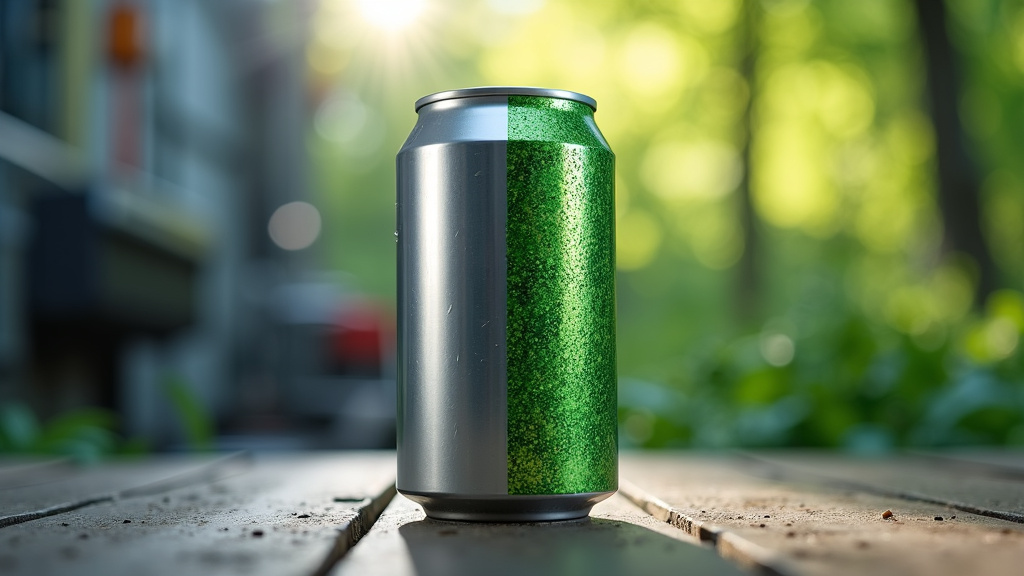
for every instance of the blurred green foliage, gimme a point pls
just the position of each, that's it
(88, 435)
(195, 419)
(823, 375)
(85, 435)
(866, 335)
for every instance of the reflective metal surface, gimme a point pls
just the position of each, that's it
(451, 213)
(544, 508)
(506, 91)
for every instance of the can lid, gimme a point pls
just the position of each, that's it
(506, 91)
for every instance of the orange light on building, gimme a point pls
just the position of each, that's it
(127, 35)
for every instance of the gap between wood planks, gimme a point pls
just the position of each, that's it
(221, 468)
(727, 544)
(367, 510)
(742, 550)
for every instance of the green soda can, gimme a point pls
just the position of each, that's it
(506, 307)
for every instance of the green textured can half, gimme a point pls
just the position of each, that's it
(506, 297)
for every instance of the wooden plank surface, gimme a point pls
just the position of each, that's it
(999, 459)
(956, 483)
(617, 539)
(995, 463)
(25, 487)
(278, 515)
(787, 520)
(773, 512)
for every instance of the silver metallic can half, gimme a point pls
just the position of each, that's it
(506, 307)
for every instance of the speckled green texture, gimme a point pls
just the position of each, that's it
(560, 241)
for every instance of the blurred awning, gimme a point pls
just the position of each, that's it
(119, 256)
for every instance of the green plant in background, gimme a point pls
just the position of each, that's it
(86, 435)
(193, 415)
(90, 434)
(824, 378)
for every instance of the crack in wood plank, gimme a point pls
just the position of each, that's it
(283, 515)
(354, 531)
(811, 526)
(728, 545)
(216, 470)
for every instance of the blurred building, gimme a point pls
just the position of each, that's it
(144, 145)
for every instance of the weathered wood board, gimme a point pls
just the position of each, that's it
(24, 486)
(786, 519)
(960, 484)
(617, 539)
(272, 515)
(773, 512)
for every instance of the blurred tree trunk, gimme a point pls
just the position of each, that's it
(959, 197)
(748, 279)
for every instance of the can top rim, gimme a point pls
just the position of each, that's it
(506, 91)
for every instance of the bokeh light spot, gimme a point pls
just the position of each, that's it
(691, 170)
(791, 188)
(777, 349)
(651, 61)
(294, 226)
(343, 119)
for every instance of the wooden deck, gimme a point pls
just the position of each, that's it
(676, 513)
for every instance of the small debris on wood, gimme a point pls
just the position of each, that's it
(303, 516)
(938, 518)
(761, 525)
(887, 514)
(126, 521)
(257, 533)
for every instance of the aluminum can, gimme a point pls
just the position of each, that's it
(506, 307)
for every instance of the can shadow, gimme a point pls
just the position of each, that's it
(591, 546)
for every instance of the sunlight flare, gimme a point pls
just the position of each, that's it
(391, 15)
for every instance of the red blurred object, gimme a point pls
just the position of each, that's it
(359, 336)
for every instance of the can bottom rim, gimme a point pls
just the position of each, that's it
(506, 508)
